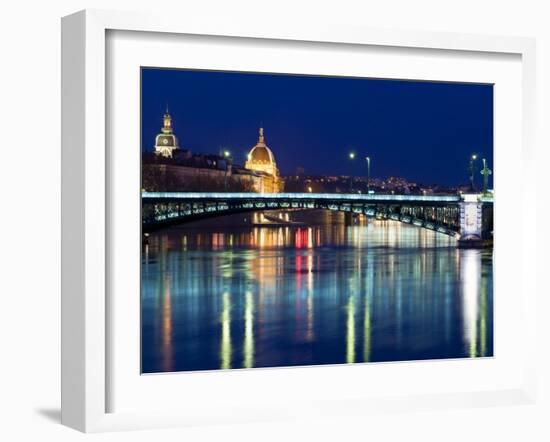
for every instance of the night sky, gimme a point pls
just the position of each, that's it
(422, 131)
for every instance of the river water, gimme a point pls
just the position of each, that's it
(326, 293)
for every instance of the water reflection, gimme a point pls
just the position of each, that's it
(225, 348)
(475, 308)
(350, 338)
(248, 350)
(328, 293)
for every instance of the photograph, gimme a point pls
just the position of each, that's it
(303, 220)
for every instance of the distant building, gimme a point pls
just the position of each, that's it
(171, 168)
(262, 162)
(166, 142)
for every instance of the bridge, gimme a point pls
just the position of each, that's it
(468, 217)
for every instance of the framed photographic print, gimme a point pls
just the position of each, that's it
(263, 224)
(300, 253)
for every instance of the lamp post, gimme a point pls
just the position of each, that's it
(472, 161)
(351, 157)
(368, 174)
(227, 156)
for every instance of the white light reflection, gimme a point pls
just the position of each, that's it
(367, 332)
(248, 347)
(350, 337)
(225, 348)
(470, 275)
(367, 345)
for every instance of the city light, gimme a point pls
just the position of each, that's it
(226, 153)
(351, 155)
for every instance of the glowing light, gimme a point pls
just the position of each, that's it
(367, 332)
(483, 319)
(351, 155)
(226, 347)
(470, 197)
(309, 305)
(167, 351)
(350, 336)
(309, 237)
(470, 274)
(298, 239)
(367, 344)
(248, 347)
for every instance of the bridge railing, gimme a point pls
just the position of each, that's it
(299, 196)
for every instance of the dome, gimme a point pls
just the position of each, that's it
(260, 153)
(262, 162)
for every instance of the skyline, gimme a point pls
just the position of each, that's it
(422, 131)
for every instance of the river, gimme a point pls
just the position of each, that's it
(324, 293)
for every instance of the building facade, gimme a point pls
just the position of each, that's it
(174, 169)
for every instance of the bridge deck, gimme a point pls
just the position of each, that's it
(298, 196)
(349, 197)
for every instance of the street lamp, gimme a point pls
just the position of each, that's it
(351, 157)
(227, 156)
(472, 161)
(368, 174)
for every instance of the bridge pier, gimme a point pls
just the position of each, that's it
(474, 229)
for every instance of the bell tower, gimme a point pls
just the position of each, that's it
(166, 142)
(167, 128)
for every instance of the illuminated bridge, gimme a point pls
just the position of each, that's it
(468, 217)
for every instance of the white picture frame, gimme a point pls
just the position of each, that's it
(85, 197)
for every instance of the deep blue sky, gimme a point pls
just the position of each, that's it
(423, 131)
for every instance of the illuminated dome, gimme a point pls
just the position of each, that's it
(261, 158)
(260, 153)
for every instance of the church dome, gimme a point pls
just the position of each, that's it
(260, 153)
(262, 162)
